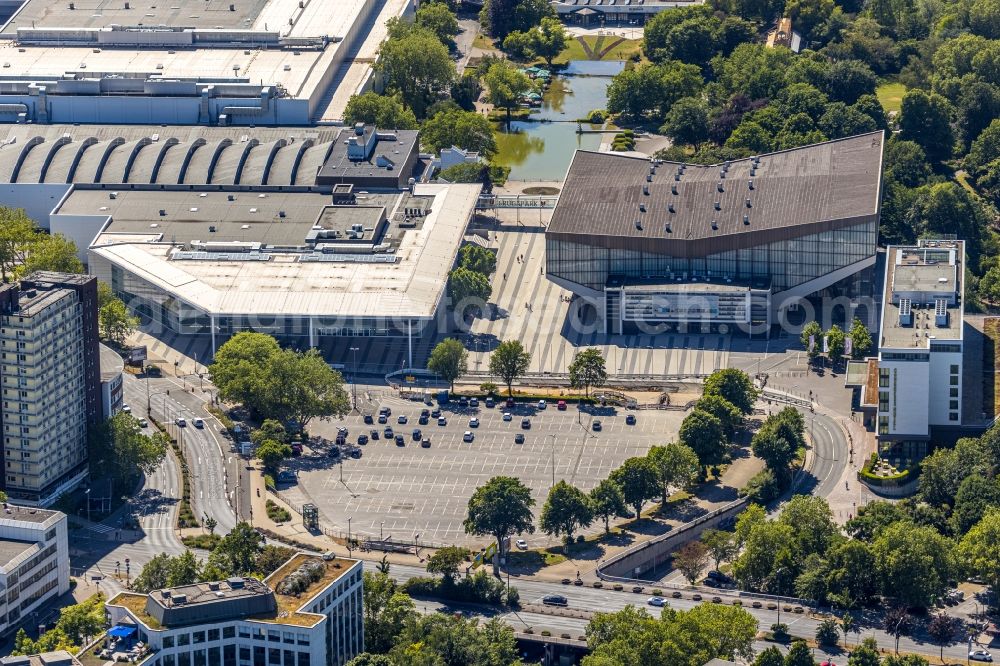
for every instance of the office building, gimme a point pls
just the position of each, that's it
(189, 62)
(920, 346)
(307, 613)
(54, 658)
(50, 373)
(34, 562)
(654, 245)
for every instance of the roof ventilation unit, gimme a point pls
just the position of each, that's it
(750, 185)
(720, 187)
(670, 208)
(941, 312)
(746, 219)
(649, 177)
(677, 176)
(673, 189)
(645, 190)
(715, 225)
(749, 205)
(652, 169)
(753, 171)
(162, 212)
(668, 229)
(642, 208)
(718, 205)
(905, 312)
(638, 225)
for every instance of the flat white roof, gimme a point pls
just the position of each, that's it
(411, 287)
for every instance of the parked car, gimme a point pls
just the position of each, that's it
(198, 423)
(657, 601)
(468, 436)
(368, 418)
(463, 402)
(382, 418)
(401, 420)
(490, 402)
(425, 443)
(555, 600)
(473, 402)
(143, 423)
(630, 419)
(126, 409)
(400, 441)
(519, 438)
(342, 430)
(387, 433)
(423, 420)
(296, 449)
(561, 405)
(596, 425)
(474, 422)
(286, 476)
(355, 453)
(510, 402)
(384, 411)
(362, 439)
(416, 434)
(442, 421)
(436, 413)
(521, 544)
(526, 423)
(181, 422)
(425, 412)
(542, 404)
(980, 655)
(507, 416)
(374, 434)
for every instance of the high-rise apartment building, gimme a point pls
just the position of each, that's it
(50, 379)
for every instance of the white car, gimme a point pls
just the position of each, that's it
(474, 422)
(657, 601)
(507, 416)
(468, 436)
(181, 422)
(198, 423)
(521, 544)
(541, 404)
(143, 423)
(980, 655)
(126, 409)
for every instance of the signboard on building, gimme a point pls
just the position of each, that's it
(136, 355)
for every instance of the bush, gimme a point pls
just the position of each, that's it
(779, 630)
(513, 598)
(480, 587)
(762, 488)
(277, 513)
(581, 539)
(597, 116)
(546, 632)
(657, 592)
(202, 541)
(269, 482)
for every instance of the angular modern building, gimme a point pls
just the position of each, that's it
(310, 612)
(655, 244)
(50, 373)
(921, 343)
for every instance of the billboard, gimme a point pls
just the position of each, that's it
(136, 355)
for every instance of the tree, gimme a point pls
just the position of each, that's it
(469, 290)
(51, 252)
(687, 121)
(269, 429)
(209, 523)
(271, 453)
(866, 654)
(835, 343)
(18, 233)
(122, 450)
(153, 575)
(506, 85)
(704, 434)
(980, 548)
(828, 632)
(240, 369)
(446, 561)
(638, 481)
(587, 369)
(184, 569)
(861, 339)
(847, 625)
(848, 80)
(477, 258)
(776, 446)
(439, 19)
(770, 656)
(607, 500)
(386, 611)
(942, 630)
(676, 465)
(975, 496)
(501, 17)
(82, 621)
(467, 130)
(384, 111)
(417, 66)
(271, 558)
(566, 509)
(768, 551)
(237, 552)
(811, 338)
(449, 360)
(301, 386)
(721, 545)
(733, 385)
(509, 361)
(799, 654)
(116, 323)
(691, 559)
(501, 508)
(914, 563)
(549, 39)
(925, 118)
(727, 413)
(897, 622)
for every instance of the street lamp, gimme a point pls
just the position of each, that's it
(354, 379)
(552, 438)
(380, 537)
(87, 493)
(349, 536)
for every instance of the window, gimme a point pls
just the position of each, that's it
(199, 658)
(229, 632)
(303, 639)
(273, 636)
(213, 634)
(883, 377)
(883, 425)
(184, 659)
(954, 369)
(953, 416)
(274, 656)
(303, 659)
(184, 639)
(954, 380)
(883, 401)
(289, 658)
(953, 392)
(229, 655)
(288, 637)
(198, 637)
(953, 404)
(168, 660)
(258, 656)
(168, 642)
(214, 656)
(244, 653)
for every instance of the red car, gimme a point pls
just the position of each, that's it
(510, 402)
(296, 449)
(561, 405)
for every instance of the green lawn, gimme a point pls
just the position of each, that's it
(598, 46)
(891, 96)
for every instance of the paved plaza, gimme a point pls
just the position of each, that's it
(409, 490)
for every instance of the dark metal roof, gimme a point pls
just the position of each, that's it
(202, 603)
(605, 194)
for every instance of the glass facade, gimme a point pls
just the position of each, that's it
(784, 263)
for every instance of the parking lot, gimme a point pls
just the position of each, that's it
(402, 491)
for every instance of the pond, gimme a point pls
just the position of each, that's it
(541, 147)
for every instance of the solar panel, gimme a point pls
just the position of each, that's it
(185, 255)
(940, 306)
(350, 258)
(904, 307)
